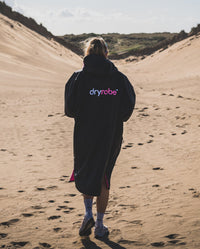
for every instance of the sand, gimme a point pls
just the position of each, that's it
(155, 188)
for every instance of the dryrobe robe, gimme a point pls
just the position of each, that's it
(100, 99)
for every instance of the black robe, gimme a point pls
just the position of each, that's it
(100, 99)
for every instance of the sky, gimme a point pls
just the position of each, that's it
(108, 16)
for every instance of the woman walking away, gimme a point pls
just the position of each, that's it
(100, 99)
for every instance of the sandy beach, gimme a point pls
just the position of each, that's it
(155, 187)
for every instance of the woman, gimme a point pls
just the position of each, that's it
(100, 99)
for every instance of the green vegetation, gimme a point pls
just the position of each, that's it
(121, 45)
(136, 44)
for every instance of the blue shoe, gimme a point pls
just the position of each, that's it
(86, 226)
(101, 232)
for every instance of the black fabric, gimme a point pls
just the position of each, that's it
(99, 117)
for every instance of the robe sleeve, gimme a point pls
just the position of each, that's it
(128, 100)
(71, 96)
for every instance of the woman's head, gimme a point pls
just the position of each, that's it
(97, 46)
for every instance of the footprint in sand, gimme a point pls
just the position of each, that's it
(158, 244)
(63, 178)
(9, 223)
(37, 207)
(66, 211)
(27, 215)
(57, 229)
(173, 240)
(150, 141)
(134, 167)
(45, 245)
(52, 187)
(19, 244)
(71, 195)
(191, 189)
(54, 217)
(69, 210)
(157, 168)
(140, 144)
(3, 235)
(21, 191)
(80, 215)
(172, 236)
(129, 145)
(183, 132)
(124, 187)
(51, 201)
(1, 188)
(143, 115)
(156, 185)
(40, 189)
(143, 109)
(3, 150)
(63, 207)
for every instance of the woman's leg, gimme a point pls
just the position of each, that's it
(102, 200)
(88, 201)
(88, 221)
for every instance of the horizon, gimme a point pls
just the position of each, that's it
(127, 17)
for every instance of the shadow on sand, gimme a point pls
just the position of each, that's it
(88, 244)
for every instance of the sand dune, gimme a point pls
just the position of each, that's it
(25, 52)
(155, 191)
(179, 63)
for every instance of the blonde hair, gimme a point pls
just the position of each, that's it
(97, 46)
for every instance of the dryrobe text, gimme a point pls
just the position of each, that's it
(103, 92)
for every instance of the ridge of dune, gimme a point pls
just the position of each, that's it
(23, 52)
(178, 62)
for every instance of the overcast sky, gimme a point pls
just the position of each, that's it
(107, 16)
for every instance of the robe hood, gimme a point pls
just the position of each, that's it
(99, 65)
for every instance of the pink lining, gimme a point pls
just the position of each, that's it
(72, 177)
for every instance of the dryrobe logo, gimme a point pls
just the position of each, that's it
(103, 92)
